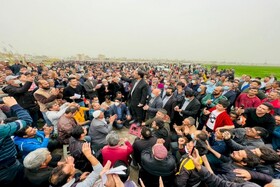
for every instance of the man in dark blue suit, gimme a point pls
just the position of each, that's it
(122, 112)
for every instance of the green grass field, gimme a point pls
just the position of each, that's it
(254, 71)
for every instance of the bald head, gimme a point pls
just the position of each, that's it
(156, 92)
(218, 91)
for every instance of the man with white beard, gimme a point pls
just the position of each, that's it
(99, 129)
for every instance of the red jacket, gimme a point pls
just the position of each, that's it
(247, 102)
(222, 120)
(119, 152)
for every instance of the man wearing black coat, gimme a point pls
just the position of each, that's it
(169, 102)
(21, 91)
(146, 141)
(138, 95)
(189, 107)
(157, 162)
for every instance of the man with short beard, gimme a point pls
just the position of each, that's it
(19, 87)
(137, 95)
(45, 95)
(74, 92)
(210, 100)
(99, 128)
(169, 102)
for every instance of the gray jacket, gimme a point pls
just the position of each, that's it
(98, 131)
(241, 138)
(154, 107)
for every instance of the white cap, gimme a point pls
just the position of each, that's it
(96, 113)
(10, 77)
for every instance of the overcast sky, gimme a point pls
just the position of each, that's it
(219, 30)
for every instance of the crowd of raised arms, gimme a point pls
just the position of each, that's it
(185, 125)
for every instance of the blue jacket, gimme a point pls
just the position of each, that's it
(124, 111)
(8, 149)
(276, 138)
(26, 145)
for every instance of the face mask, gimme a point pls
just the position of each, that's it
(187, 99)
(193, 81)
(226, 88)
(210, 83)
(90, 78)
(117, 104)
(17, 81)
(198, 89)
(192, 135)
(152, 95)
(165, 86)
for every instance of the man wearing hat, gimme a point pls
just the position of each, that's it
(157, 162)
(18, 87)
(99, 129)
(37, 171)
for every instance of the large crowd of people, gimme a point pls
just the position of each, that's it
(197, 126)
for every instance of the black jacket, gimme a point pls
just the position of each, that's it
(152, 169)
(140, 92)
(141, 144)
(24, 97)
(169, 106)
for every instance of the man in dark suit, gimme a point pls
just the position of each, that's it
(154, 104)
(90, 86)
(122, 112)
(105, 89)
(137, 95)
(117, 87)
(188, 107)
(169, 102)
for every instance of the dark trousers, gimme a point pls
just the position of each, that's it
(12, 176)
(34, 115)
(137, 113)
